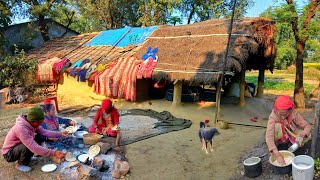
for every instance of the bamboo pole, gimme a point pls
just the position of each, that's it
(177, 93)
(218, 94)
(260, 83)
(242, 101)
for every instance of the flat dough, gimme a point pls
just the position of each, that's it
(71, 129)
(70, 157)
(49, 168)
(93, 151)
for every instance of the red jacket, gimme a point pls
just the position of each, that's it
(114, 117)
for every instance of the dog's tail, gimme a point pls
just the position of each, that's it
(202, 125)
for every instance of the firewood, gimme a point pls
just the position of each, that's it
(98, 163)
(104, 147)
(86, 172)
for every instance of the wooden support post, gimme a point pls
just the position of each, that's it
(242, 101)
(260, 83)
(315, 132)
(218, 98)
(177, 93)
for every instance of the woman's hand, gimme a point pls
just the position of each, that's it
(64, 133)
(281, 160)
(53, 139)
(59, 154)
(72, 123)
(299, 139)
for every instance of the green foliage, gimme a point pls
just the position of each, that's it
(200, 10)
(5, 15)
(17, 70)
(285, 39)
(174, 20)
(155, 12)
(317, 168)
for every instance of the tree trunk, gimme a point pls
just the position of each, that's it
(299, 89)
(44, 29)
(242, 101)
(191, 14)
(260, 83)
(218, 101)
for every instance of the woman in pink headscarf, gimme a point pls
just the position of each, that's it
(106, 118)
(285, 126)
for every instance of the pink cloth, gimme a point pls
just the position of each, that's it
(23, 132)
(146, 68)
(106, 105)
(283, 103)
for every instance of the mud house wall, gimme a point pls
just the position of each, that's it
(70, 91)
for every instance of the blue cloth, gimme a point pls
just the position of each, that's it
(151, 53)
(77, 64)
(73, 72)
(82, 75)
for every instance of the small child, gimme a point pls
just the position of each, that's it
(51, 122)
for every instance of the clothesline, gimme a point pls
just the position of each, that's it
(192, 72)
(184, 66)
(195, 36)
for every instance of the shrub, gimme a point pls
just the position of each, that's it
(17, 70)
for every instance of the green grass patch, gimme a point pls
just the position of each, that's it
(314, 65)
(272, 83)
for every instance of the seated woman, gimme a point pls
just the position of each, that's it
(51, 122)
(285, 127)
(106, 118)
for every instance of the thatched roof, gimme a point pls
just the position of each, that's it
(189, 52)
(195, 52)
(59, 46)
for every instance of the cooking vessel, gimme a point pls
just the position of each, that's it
(252, 167)
(281, 169)
(79, 134)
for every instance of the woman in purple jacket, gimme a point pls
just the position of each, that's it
(20, 145)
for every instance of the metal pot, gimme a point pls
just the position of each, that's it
(252, 167)
(281, 169)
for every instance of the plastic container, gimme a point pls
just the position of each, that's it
(303, 168)
(252, 167)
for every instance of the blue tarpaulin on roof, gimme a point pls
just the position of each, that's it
(108, 38)
(136, 36)
(126, 36)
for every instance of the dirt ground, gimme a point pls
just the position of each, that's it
(176, 155)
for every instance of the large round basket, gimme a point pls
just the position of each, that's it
(91, 139)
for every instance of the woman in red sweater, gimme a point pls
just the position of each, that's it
(106, 118)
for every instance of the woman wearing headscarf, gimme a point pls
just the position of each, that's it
(106, 118)
(285, 127)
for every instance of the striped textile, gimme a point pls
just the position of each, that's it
(119, 79)
(45, 72)
(146, 68)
